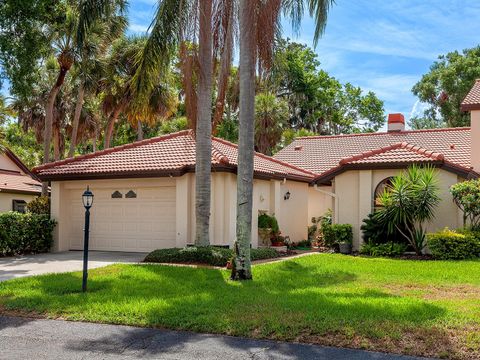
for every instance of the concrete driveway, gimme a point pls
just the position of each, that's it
(14, 267)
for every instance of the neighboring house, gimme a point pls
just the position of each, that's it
(145, 191)
(18, 185)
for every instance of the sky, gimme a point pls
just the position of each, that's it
(380, 45)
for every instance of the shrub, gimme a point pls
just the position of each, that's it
(410, 202)
(387, 250)
(466, 195)
(25, 233)
(375, 231)
(209, 255)
(452, 245)
(337, 233)
(268, 222)
(303, 244)
(39, 205)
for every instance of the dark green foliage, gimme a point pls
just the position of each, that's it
(303, 244)
(445, 86)
(337, 233)
(25, 233)
(466, 195)
(375, 231)
(268, 222)
(386, 250)
(209, 255)
(452, 245)
(39, 206)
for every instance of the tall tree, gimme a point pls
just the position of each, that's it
(203, 163)
(271, 117)
(445, 86)
(259, 23)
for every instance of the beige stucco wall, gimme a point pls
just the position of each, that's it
(268, 196)
(355, 189)
(6, 200)
(7, 164)
(319, 202)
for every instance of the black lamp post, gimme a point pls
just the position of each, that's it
(87, 199)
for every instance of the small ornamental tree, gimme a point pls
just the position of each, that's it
(466, 195)
(409, 202)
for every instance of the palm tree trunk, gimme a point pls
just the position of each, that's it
(242, 265)
(139, 131)
(56, 143)
(47, 137)
(95, 139)
(224, 73)
(203, 134)
(76, 119)
(111, 125)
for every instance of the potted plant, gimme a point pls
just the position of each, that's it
(345, 247)
(278, 240)
(264, 230)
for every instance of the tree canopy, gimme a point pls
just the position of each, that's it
(445, 86)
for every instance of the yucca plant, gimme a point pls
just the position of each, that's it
(409, 202)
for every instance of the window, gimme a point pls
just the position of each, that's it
(117, 195)
(381, 187)
(130, 195)
(19, 206)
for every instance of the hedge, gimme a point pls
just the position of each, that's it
(384, 250)
(209, 255)
(452, 245)
(25, 233)
(337, 233)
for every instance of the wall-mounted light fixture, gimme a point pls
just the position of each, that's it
(287, 195)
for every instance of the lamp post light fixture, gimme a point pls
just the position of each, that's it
(287, 195)
(87, 199)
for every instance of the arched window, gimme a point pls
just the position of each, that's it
(384, 184)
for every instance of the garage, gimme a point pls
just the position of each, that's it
(134, 218)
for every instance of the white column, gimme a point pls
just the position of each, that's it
(475, 134)
(183, 194)
(59, 214)
(364, 204)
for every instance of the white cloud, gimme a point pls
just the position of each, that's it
(138, 28)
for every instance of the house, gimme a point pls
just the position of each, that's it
(145, 198)
(18, 185)
(145, 195)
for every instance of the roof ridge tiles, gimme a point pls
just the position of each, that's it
(381, 133)
(112, 150)
(228, 143)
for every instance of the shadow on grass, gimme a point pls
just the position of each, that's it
(285, 301)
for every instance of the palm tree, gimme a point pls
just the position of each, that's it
(89, 67)
(271, 115)
(259, 22)
(119, 97)
(409, 202)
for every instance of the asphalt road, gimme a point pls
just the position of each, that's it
(22, 338)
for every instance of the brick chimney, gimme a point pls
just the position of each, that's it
(471, 103)
(396, 122)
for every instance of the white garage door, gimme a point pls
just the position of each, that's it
(125, 219)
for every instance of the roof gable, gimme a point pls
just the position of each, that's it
(169, 155)
(472, 100)
(15, 177)
(321, 154)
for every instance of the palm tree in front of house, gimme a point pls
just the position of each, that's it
(259, 23)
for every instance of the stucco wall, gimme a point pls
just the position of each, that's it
(7, 164)
(355, 189)
(319, 203)
(6, 200)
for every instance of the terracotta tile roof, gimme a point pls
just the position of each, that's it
(397, 153)
(16, 182)
(322, 154)
(472, 100)
(169, 155)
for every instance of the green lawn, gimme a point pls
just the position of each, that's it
(413, 307)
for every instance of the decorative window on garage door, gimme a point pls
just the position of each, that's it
(117, 195)
(131, 195)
